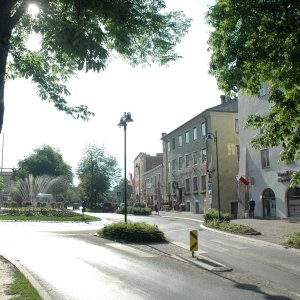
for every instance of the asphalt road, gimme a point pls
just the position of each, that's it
(68, 262)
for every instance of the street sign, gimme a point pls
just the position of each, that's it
(209, 186)
(193, 241)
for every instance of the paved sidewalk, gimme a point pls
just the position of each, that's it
(273, 231)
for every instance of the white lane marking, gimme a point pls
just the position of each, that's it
(130, 250)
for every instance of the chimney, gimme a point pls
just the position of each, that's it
(223, 99)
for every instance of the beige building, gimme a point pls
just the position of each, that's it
(143, 163)
(201, 155)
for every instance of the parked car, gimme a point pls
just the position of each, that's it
(106, 207)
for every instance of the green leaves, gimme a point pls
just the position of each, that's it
(254, 42)
(83, 35)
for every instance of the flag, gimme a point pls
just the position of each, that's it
(244, 180)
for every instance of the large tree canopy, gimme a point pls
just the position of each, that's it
(43, 161)
(253, 42)
(82, 34)
(97, 172)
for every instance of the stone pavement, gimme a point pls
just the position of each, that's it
(272, 231)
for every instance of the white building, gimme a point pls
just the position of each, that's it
(269, 179)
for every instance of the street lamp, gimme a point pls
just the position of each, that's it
(123, 123)
(214, 136)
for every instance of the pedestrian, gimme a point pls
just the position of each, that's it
(251, 208)
(156, 208)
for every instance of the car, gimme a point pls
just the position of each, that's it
(106, 207)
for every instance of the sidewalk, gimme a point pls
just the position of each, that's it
(273, 231)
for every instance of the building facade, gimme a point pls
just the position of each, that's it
(153, 189)
(263, 177)
(200, 156)
(143, 163)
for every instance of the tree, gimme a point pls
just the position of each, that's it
(97, 172)
(254, 42)
(82, 34)
(118, 190)
(2, 183)
(43, 161)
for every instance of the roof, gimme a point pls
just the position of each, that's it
(228, 106)
(231, 105)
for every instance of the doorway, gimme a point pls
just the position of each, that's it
(269, 203)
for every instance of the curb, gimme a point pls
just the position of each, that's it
(41, 291)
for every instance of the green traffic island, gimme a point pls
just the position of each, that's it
(292, 240)
(132, 232)
(212, 220)
(43, 214)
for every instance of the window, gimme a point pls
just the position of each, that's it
(203, 156)
(169, 147)
(195, 158)
(194, 133)
(187, 160)
(173, 164)
(203, 129)
(203, 183)
(195, 184)
(180, 161)
(265, 159)
(187, 137)
(169, 166)
(263, 91)
(187, 186)
(238, 152)
(180, 140)
(173, 143)
(236, 125)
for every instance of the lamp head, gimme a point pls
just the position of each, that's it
(127, 117)
(122, 122)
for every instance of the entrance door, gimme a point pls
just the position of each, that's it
(234, 209)
(269, 203)
(293, 202)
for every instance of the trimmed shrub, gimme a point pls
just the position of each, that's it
(137, 232)
(213, 214)
(26, 203)
(293, 240)
(230, 227)
(137, 211)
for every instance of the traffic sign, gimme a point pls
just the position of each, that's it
(193, 241)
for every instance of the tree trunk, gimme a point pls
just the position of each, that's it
(5, 34)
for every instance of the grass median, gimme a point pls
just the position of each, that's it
(43, 214)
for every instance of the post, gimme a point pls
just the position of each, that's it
(123, 122)
(218, 176)
(125, 176)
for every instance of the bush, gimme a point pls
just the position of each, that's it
(26, 203)
(230, 227)
(140, 204)
(137, 211)
(213, 214)
(132, 232)
(293, 240)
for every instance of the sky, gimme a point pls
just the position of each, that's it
(160, 99)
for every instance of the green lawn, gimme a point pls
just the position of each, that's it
(21, 289)
(43, 214)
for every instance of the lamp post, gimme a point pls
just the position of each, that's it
(123, 123)
(214, 136)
